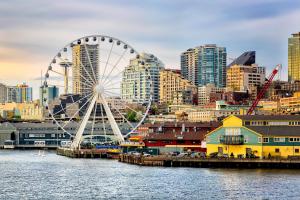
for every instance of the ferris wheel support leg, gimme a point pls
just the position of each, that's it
(111, 119)
(76, 142)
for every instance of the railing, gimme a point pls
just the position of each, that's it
(232, 139)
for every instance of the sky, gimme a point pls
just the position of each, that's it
(33, 31)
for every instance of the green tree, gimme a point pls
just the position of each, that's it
(131, 116)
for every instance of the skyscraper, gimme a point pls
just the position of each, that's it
(3, 93)
(247, 59)
(189, 65)
(135, 83)
(205, 64)
(294, 57)
(212, 65)
(85, 68)
(48, 94)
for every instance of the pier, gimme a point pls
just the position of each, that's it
(168, 161)
(88, 153)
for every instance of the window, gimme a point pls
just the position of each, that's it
(296, 150)
(259, 140)
(266, 140)
(279, 139)
(277, 150)
(296, 139)
(246, 139)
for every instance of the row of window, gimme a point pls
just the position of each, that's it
(274, 123)
(279, 139)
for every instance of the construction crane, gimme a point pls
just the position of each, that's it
(264, 89)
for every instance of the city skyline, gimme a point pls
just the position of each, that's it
(165, 30)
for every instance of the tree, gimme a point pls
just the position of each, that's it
(131, 116)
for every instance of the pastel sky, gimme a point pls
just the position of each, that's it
(33, 31)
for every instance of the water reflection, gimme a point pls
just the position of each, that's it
(26, 175)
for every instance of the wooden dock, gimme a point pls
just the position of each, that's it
(88, 153)
(168, 161)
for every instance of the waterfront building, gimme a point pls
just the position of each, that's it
(49, 135)
(247, 58)
(294, 57)
(205, 64)
(175, 89)
(3, 93)
(135, 86)
(209, 93)
(48, 94)
(242, 77)
(262, 136)
(176, 136)
(19, 94)
(84, 75)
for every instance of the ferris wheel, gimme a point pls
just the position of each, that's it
(89, 74)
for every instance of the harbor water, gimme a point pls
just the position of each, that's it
(45, 175)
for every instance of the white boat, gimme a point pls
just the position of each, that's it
(9, 144)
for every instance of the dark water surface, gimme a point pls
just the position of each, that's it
(26, 175)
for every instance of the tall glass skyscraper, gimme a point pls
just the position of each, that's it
(294, 57)
(205, 64)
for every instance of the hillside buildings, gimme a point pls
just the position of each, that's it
(209, 93)
(140, 79)
(84, 75)
(243, 78)
(294, 57)
(19, 94)
(174, 89)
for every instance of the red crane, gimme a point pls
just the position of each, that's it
(264, 89)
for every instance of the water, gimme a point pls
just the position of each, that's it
(27, 175)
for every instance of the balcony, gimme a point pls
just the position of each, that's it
(232, 139)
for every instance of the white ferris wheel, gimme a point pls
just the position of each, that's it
(89, 73)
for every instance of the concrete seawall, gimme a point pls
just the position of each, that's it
(166, 161)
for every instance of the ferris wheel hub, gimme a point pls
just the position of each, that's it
(99, 89)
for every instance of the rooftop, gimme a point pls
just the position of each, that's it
(269, 117)
(276, 130)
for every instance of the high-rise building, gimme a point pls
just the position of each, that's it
(136, 84)
(19, 94)
(171, 82)
(48, 94)
(294, 57)
(189, 65)
(247, 58)
(83, 73)
(242, 78)
(3, 93)
(205, 64)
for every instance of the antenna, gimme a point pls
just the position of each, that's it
(41, 78)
